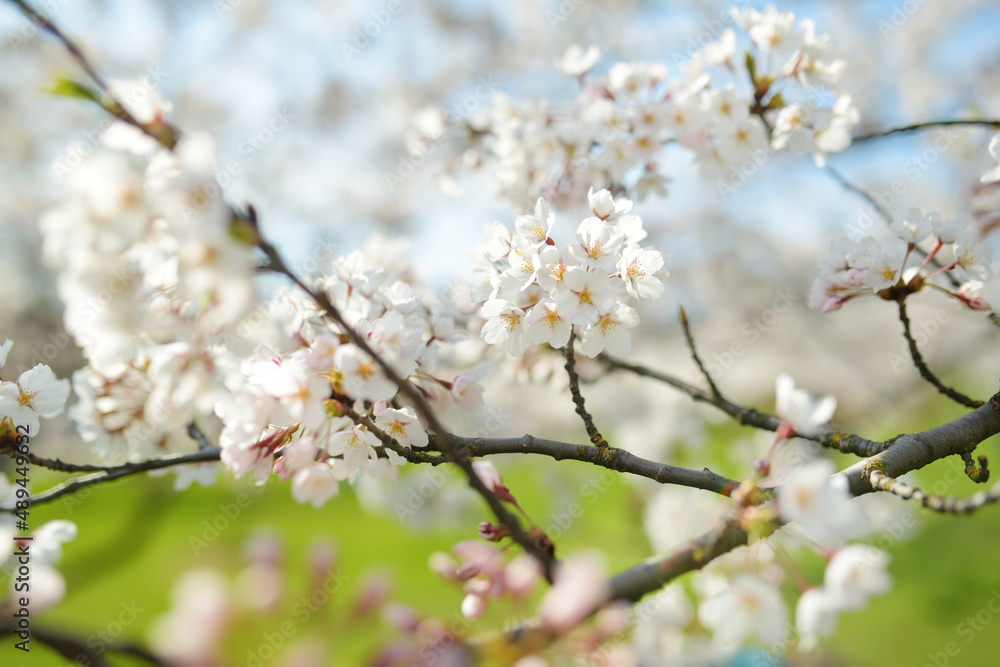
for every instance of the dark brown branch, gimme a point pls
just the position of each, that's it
(916, 450)
(908, 452)
(694, 353)
(646, 577)
(198, 436)
(926, 126)
(844, 442)
(574, 389)
(612, 458)
(109, 473)
(922, 368)
(73, 648)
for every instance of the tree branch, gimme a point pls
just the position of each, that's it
(74, 649)
(694, 353)
(908, 452)
(161, 132)
(612, 458)
(844, 442)
(942, 504)
(107, 474)
(926, 126)
(922, 368)
(574, 389)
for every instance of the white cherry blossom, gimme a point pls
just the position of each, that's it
(37, 393)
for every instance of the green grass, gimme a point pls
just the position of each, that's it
(137, 537)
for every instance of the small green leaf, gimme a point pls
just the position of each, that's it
(751, 67)
(776, 102)
(66, 87)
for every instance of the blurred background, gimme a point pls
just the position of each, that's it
(348, 101)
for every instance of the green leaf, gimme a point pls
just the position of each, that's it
(66, 87)
(751, 67)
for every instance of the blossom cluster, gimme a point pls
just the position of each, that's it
(857, 268)
(156, 270)
(775, 86)
(536, 293)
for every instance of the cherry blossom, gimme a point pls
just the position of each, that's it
(856, 573)
(748, 607)
(315, 484)
(798, 408)
(973, 259)
(580, 586)
(638, 267)
(610, 332)
(37, 393)
(356, 446)
(584, 295)
(402, 426)
(993, 175)
(505, 324)
(815, 617)
(544, 324)
(820, 504)
(577, 61)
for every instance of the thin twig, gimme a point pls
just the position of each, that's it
(612, 458)
(942, 504)
(694, 353)
(574, 389)
(926, 126)
(848, 443)
(925, 372)
(198, 436)
(167, 135)
(107, 474)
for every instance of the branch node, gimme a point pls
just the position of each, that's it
(980, 474)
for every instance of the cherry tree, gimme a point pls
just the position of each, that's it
(209, 354)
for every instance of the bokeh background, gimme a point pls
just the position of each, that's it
(230, 66)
